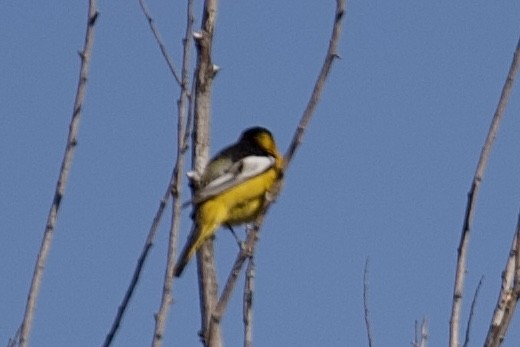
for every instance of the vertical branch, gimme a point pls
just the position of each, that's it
(204, 73)
(166, 299)
(245, 252)
(66, 164)
(508, 296)
(472, 197)
(249, 289)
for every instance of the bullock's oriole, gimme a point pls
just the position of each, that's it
(232, 188)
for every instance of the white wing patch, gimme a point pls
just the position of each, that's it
(239, 172)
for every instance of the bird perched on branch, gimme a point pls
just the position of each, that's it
(233, 187)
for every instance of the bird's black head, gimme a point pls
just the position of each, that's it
(260, 139)
(254, 133)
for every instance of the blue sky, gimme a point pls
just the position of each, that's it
(383, 170)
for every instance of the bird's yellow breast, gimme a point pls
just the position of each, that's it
(239, 204)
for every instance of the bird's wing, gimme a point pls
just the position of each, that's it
(237, 173)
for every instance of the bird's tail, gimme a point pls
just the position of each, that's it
(196, 239)
(183, 261)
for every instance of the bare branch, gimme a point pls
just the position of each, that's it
(142, 258)
(138, 269)
(66, 164)
(472, 312)
(204, 73)
(166, 299)
(173, 188)
(249, 289)
(320, 83)
(158, 39)
(416, 337)
(365, 305)
(472, 197)
(245, 252)
(508, 296)
(252, 235)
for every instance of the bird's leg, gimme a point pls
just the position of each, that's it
(239, 242)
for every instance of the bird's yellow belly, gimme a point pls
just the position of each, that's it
(240, 204)
(245, 212)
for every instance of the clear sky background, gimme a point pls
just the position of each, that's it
(383, 170)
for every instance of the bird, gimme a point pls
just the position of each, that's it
(232, 188)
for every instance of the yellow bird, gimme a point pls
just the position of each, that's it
(233, 188)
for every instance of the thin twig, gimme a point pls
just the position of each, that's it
(249, 290)
(173, 188)
(416, 337)
(472, 197)
(138, 269)
(140, 262)
(320, 83)
(245, 252)
(162, 46)
(472, 312)
(421, 334)
(365, 305)
(66, 164)
(508, 296)
(252, 235)
(166, 298)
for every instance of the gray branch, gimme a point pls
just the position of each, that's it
(472, 198)
(66, 164)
